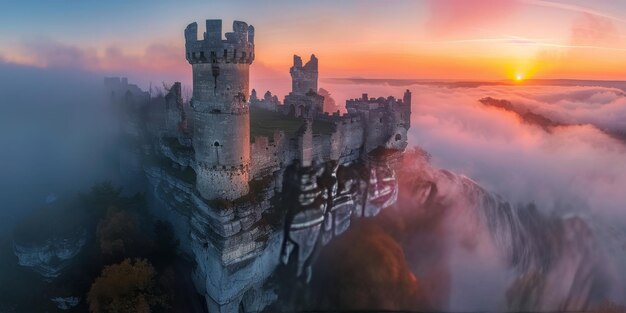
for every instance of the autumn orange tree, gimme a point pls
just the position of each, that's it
(126, 287)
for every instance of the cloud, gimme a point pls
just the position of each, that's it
(450, 16)
(594, 43)
(55, 134)
(572, 8)
(580, 166)
(523, 162)
(49, 53)
(589, 29)
(156, 63)
(570, 171)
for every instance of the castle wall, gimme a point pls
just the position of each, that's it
(377, 131)
(269, 156)
(387, 120)
(321, 148)
(352, 133)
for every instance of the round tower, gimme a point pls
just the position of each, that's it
(221, 114)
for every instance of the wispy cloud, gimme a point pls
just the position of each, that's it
(538, 42)
(572, 8)
(451, 16)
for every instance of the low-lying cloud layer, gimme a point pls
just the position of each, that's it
(578, 169)
(55, 136)
(581, 166)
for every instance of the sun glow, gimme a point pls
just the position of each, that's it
(519, 77)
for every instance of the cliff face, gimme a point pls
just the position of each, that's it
(50, 256)
(284, 219)
(556, 262)
(66, 303)
(305, 190)
(49, 238)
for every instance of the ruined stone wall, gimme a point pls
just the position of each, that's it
(304, 78)
(321, 148)
(387, 120)
(305, 105)
(269, 101)
(347, 141)
(377, 131)
(174, 113)
(268, 156)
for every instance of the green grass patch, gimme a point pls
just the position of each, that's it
(263, 123)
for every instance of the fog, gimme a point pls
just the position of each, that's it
(580, 166)
(574, 170)
(55, 136)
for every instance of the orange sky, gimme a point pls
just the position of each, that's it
(428, 39)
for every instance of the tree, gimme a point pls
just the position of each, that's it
(125, 287)
(118, 234)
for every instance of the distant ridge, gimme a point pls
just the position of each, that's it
(618, 84)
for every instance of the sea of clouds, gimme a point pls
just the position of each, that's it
(578, 169)
(581, 166)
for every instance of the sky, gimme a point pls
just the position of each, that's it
(427, 39)
(64, 48)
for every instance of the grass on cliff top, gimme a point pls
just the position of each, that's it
(263, 123)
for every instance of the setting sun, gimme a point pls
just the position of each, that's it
(519, 77)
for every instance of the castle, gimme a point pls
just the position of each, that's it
(251, 184)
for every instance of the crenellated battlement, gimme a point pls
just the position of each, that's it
(238, 47)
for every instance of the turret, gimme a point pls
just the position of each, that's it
(406, 114)
(304, 78)
(406, 99)
(220, 109)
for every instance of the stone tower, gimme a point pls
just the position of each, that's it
(221, 114)
(304, 78)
